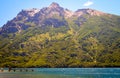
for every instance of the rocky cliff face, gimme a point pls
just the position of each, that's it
(54, 15)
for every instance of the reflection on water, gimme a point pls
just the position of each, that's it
(64, 73)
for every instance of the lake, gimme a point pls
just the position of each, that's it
(64, 73)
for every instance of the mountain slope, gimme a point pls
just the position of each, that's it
(57, 37)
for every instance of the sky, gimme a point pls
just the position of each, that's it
(10, 8)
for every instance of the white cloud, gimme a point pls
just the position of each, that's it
(88, 3)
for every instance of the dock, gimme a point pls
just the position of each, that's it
(16, 70)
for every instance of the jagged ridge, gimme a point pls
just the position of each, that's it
(45, 16)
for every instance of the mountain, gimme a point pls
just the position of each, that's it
(44, 17)
(58, 37)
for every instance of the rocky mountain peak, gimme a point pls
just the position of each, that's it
(94, 12)
(88, 11)
(29, 12)
(53, 10)
(33, 11)
(54, 5)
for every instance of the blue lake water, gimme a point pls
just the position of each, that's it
(64, 73)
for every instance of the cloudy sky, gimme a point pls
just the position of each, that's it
(10, 8)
